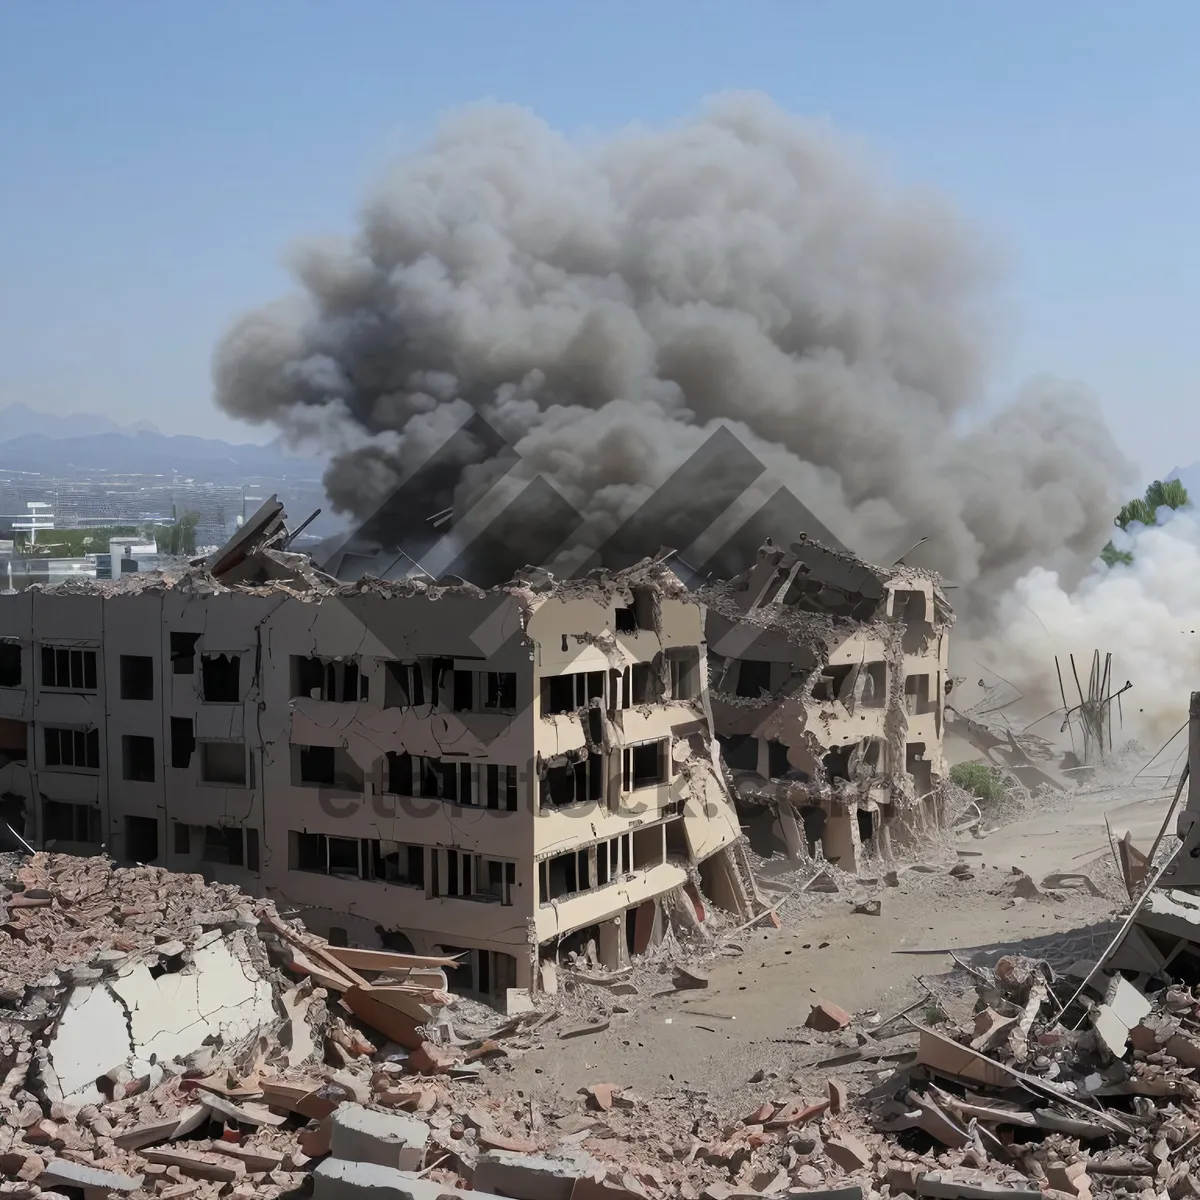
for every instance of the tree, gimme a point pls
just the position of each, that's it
(1143, 510)
(179, 538)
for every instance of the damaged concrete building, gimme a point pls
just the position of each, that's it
(828, 686)
(506, 775)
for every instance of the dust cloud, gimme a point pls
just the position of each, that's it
(1147, 613)
(605, 304)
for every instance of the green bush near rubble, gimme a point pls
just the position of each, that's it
(983, 782)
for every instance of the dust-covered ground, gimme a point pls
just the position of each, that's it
(742, 1039)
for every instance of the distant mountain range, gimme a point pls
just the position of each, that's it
(34, 441)
(19, 420)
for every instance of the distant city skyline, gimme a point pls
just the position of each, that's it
(161, 160)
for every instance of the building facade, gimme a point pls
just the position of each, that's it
(512, 773)
(828, 686)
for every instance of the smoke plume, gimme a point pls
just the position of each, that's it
(605, 305)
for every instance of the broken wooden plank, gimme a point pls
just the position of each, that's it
(583, 1030)
(400, 1023)
(174, 1126)
(216, 1167)
(941, 1054)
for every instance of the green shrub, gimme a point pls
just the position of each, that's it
(982, 781)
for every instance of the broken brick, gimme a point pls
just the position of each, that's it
(827, 1017)
(848, 1152)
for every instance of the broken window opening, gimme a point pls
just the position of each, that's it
(872, 685)
(399, 863)
(644, 765)
(684, 666)
(457, 782)
(872, 755)
(643, 608)
(832, 679)
(10, 663)
(569, 693)
(645, 684)
(753, 677)
(564, 875)
(183, 653)
(68, 670)
(398, 773)
(316, 765)
(500, 694)
(910, 608)
(137, 758)
(648, 848)
(223, 763)
(326, 766)
(866, 826)
(502, 787)
(75, 748)
(917, 700)
(323, 854)
(137, 677)
(224, 844)
(920, 768)
(678, 849)
(578, 782)
(344, 857)
(141, 839)
(430, 778)
(462, 691)
(739, 751)
(14, 741)
(439, 669)
(329, 679)
(63, 822)
(778, 766)
(495, 879)
(837, 763)
(183, 741)
(220, 676)
(625, 621)
(403, 685)
(458, 873)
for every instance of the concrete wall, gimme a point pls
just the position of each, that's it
(158, 810)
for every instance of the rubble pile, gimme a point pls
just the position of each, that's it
(167, 1037)
(161, 1036)
(1078, 1085)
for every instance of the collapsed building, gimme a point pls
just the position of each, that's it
(828, 686)
(504, 776)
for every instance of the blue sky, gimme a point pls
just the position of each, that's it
(157, 158)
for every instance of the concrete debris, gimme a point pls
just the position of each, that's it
(826, 1017)
(685, 979)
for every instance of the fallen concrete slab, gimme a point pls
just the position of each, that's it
(387, 1139)
(335, 1179)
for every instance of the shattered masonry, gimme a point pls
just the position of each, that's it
(828, 686)
(513, 774)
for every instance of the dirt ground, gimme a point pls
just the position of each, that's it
(750, 1019)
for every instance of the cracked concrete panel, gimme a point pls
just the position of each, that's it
(220, 993)
(92, 1039)
(709, 818)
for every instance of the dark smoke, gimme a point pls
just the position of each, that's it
(606, 305)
